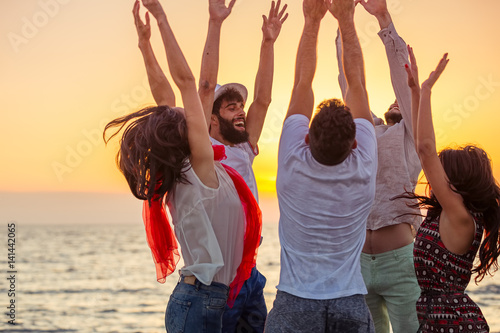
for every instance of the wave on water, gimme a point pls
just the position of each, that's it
(101, 278)
(83, 291)
(36, 330)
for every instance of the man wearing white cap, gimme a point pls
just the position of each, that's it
(224, 105)
(239, 133)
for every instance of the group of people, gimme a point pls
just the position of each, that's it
(355, 253)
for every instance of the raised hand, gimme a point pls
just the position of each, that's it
(429, 83)
(340, 8)
(218, 10)
(143, 30)
(412, 70)
(154, 7)
(374, 7)
(272, 25)
(314, 9)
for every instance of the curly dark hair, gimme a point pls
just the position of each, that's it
(154, 150)
(229, 95)
(332, 132)
(468, 169)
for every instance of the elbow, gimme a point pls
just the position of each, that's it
(205, 87)
(263, 101)
(183, 81)
(426, 148)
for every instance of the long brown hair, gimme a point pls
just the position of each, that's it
(469, 172)
(154, 150)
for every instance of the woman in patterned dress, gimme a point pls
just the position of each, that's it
(463, 218)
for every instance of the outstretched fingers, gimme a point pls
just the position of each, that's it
(135, 11)
(280, 16)
(434, 76)
(412, 69)
(442, 64)
(413, 60)
(272, 11)
(138, 21)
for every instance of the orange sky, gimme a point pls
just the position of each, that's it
(68, 66)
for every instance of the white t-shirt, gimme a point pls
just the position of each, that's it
(323, 211)
(240, 157)
(210, 227)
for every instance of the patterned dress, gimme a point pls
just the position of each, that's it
(443, 276)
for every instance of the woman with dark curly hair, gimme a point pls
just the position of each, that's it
(166, 155)
(463, 218)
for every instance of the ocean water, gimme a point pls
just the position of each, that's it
(97, 278)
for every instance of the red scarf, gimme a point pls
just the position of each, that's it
(163, 244)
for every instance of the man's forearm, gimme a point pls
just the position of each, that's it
(352, 56)
(265, 74)
(384, 19)
(210, 59)
(305, 64)
(397, 57)
(341, 77)
(302, 100)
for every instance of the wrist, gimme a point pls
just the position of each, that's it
(160, 18)
(415, 90)
(215, 21)
(426, 89)
(384, 19)
(345, 20)
(144, 44)
(312, 22)
(267, 41)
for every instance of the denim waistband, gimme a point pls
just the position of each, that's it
(214, 286)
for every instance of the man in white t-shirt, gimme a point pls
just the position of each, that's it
(326, 186)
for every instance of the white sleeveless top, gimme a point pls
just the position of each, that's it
(210, 227)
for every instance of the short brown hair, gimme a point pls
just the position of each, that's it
(332, 132)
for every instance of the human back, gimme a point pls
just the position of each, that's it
(327, 206)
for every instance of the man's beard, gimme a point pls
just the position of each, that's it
(230, 133)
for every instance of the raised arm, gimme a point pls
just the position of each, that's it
(257, 111)
(413, 83)
(302, 100)
(341, 77)
(199, 142)
(160, 87)
(352, 58)
(397, 56)
(456, 224)
(210, 60)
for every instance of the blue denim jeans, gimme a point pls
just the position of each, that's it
(249, 311)
(196, 308)
(341, 315)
